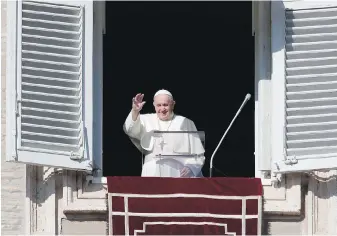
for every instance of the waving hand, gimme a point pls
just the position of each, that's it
(137, 102)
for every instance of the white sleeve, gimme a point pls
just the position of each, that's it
(196, 164)
(133, 128)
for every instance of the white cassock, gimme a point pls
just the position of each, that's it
(141, 134)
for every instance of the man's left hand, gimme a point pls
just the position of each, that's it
(185, 172)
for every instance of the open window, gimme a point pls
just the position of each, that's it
(49, 70)
(304, 77)
(179, 47)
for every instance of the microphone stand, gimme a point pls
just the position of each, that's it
(248, 96)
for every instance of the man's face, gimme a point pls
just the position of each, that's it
(164, 106)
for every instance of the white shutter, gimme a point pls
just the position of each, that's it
(54, 47)
(309, 90)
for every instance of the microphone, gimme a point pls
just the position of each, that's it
(248, 96)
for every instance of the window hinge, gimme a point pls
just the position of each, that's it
(290, 160)
(80, 154)
(14, 152)
(14, 129)
(15, 156)
(17, 108)
(276, 179)
(77, 155)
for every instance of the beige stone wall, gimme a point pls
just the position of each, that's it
(85, 224)
(12, 175)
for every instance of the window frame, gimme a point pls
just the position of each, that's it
(262, 110)
(278, 81)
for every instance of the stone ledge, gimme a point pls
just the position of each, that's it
(80, 209)
(87, 207)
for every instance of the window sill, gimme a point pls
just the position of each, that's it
(103, 180)
(88, 209)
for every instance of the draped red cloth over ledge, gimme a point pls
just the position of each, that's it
(184, 206)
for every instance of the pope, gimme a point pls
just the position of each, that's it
(140, 128)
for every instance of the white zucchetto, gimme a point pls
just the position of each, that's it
(161, 92)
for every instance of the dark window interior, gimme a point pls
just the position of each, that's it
(203, 52)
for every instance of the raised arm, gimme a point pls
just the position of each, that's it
(133, 125)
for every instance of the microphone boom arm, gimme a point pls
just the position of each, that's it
(230, 125)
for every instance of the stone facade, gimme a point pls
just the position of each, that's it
(13, 181)
(63, 203)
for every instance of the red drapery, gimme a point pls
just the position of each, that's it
(184, 206)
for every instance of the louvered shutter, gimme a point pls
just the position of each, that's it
(54, 47)
(310, 86)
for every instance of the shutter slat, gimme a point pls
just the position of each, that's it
(56, 112)
(311, 126)
(305, 143)
(35, 120)
(309, 13)
(50, 6)
(61, 33)
(46, 63)
(55, 56)
(320, 20)
(305, 38)
(60, 49)
(312, 94)
(311, 110)
(311, 102)
(51, 22)
(312, 70)
(51, 25)
(311, 78)
(50, 95)
(321, 29)
(312, 118)
(70, 44)
(39, 138)
(312, 135)
(51, 71)
(67, 121)
(314, 152)
(48, 114)
(311, 54)
(69, 84)
(36, 145)
(311, 86)
(53, 79)
(317, 61)
(56, 66)
(74, 41)
(68, 138)
(322, 45)
(51, 129)
(74, 89)
(43, 104)
(56, 16)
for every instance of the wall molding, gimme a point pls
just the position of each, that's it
(321, 199)
(81, 196)
(67, 192)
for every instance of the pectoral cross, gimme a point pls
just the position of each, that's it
(162, 143)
